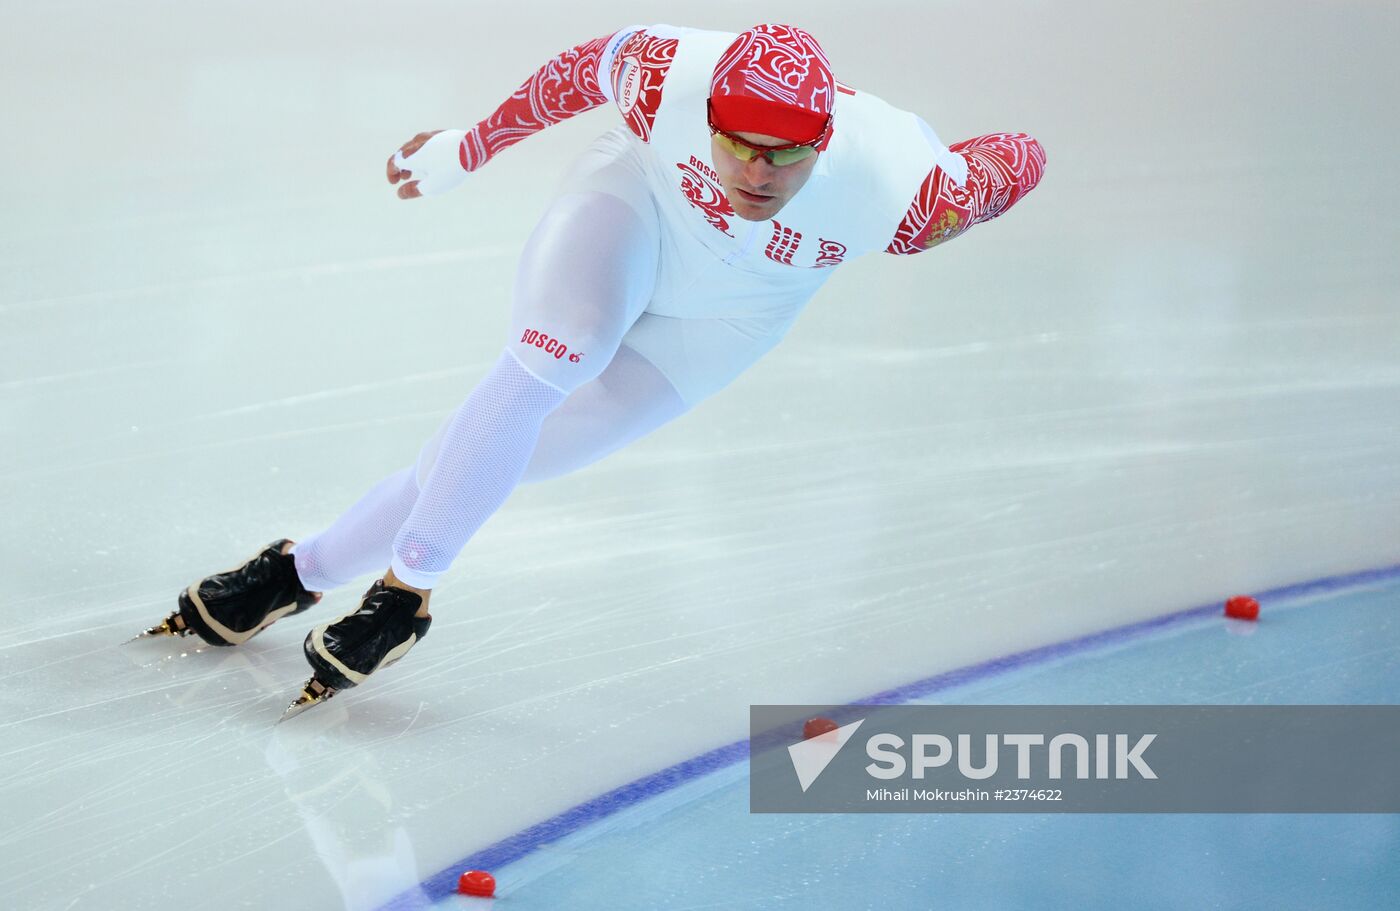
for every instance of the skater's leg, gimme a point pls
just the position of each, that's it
(631, 399)
(358, 542)
(584, 278)
(484, 451)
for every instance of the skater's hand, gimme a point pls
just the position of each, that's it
(410, 188)
(428, 164)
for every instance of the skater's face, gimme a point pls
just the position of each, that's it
(758, 189)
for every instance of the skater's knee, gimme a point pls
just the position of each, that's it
(565, 353)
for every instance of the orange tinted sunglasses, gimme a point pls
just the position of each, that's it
(778, 156)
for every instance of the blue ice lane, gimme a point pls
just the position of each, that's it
(698, 847)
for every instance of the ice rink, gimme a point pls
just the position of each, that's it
(1170, 374)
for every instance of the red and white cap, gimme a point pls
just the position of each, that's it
(775, 80)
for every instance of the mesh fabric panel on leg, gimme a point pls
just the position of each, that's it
(361, 540)
(483, 452)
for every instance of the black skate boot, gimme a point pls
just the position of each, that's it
(344, 653)
(231, 607)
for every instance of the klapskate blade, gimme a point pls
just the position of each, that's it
(166, 627)
(304, 702)
(154, 632)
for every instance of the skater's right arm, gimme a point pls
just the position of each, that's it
(435, 162)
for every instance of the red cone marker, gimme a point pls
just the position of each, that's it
(477, 882)
(1242, 607)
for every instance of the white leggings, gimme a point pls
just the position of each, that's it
(547, 408)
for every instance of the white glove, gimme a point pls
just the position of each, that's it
(437, 166)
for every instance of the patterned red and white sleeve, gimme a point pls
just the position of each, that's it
(565, 86)
(637, 62)
(1001, 168)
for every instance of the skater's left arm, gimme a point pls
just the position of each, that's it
(1001, 168)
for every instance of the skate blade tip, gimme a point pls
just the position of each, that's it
(305, 701)
(155, 632)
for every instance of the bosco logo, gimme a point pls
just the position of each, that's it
(550, 345)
